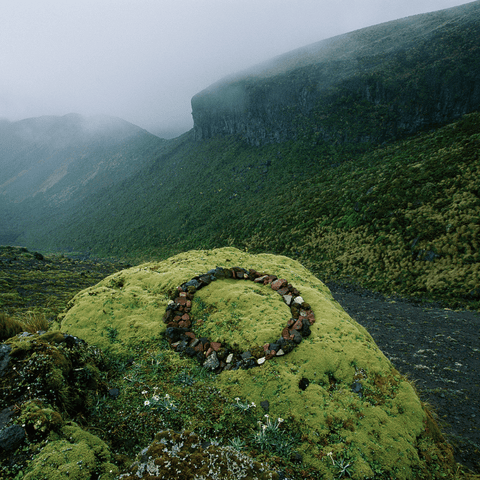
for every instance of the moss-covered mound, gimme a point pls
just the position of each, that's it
(73, 455)
(335, 403)
(61, 369)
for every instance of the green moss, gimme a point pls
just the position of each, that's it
(79, 455)
(379, 430)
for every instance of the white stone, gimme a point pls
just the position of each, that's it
(287, 299)
(299, 300)
(230, 358)
(261, 360)
(280, 353)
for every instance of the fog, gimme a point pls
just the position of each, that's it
(143, 60)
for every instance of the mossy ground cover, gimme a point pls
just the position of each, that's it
(383, 433)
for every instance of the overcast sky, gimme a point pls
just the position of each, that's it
(143, 60)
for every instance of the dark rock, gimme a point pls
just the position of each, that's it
(265, 404)
(305, 327)
(246, 355)
(11, 438)
(303, 383)
(5, 416)
(38, 256)
(357, 388)
(114, 392)
(4, 358)
(191, 283)
(190, 351)
(297, 337)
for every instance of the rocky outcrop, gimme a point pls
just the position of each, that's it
(371, 85)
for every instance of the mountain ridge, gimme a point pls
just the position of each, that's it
(298, 94)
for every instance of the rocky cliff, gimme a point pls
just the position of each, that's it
(371, 85)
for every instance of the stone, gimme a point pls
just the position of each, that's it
(279, 283)
(5, 416)
(260, 279)
(192, 283)
(215, 346)
(305, 327)
(297, 336)
(212, 362)
(297, 325)
(265, 404)
(11, 438)
(114, 392)
(261, 361)
(246, 355)
(298, 300)
(230, 358)
(190, 351)
(4, 358)
(280, 353)
(286, 333)
(287, 299)
(283, 291)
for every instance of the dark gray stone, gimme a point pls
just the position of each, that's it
(4, 358)
(265, 404)
(11, 437)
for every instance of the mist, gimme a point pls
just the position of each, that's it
(143, 60)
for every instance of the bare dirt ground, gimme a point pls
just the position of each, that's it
(435, 347)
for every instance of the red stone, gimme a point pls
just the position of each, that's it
(215, 346)
(286, 334)
(209, 351)
(177, 318)
(185, 324)
(297, 326)
(281, 282)
(269, 279)
(270, 355)
(266, 347)
(189, 304)
(260, 279)
(182, 294)
(199, 347)
(172, 324)
(181, 301)
(290, 322)
(185, 316)
(190, 335)
(311, 318)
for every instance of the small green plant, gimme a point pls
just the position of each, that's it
(112, 334)
(184, 379)
(162, 404)
(271, 438)
(341, 466)
(244, 407)
(237, 443)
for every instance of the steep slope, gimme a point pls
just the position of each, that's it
(371, 85)
(50, 164)
(404, 217)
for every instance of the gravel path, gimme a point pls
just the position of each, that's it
(437, 348)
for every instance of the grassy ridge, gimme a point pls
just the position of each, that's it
(403, 217)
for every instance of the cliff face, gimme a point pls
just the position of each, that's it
(370, 85)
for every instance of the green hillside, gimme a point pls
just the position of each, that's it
(401, 218)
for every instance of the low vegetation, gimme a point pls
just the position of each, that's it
(126, 402)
